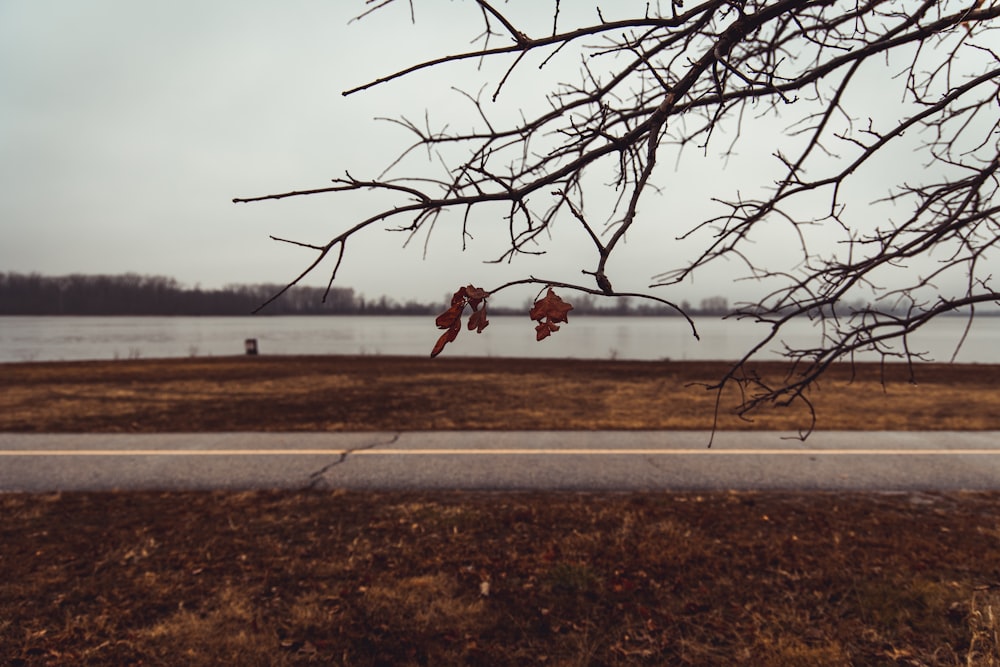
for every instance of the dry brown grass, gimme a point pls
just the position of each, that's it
(500, 579)
(367, 579)
(393, 393)
(984, 628)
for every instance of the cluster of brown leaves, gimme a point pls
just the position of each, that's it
(548, 311)
(451, 319)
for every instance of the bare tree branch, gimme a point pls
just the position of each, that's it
(647, 87)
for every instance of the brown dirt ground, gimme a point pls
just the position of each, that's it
(335, 578)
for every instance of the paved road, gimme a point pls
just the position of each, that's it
(602, 460)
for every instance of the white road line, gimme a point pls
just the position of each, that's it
(498, 452)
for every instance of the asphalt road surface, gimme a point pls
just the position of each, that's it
(509, 460)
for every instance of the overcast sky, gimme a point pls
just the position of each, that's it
(126, 128)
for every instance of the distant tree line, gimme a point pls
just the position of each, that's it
(133, 294)
(589, 304)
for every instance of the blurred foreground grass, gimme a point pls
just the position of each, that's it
(339, 578)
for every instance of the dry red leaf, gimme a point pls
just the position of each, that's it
(545, 329)
(446, 338)
(451, 319)
(547, 311)
(475, 295)
(450, 316)
(478, 321)
(550, 307)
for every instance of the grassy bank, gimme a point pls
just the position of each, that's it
(404, 393)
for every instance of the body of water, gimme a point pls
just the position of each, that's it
(75, 338)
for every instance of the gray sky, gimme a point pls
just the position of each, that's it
(126, 128)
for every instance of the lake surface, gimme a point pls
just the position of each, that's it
(593, 337)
